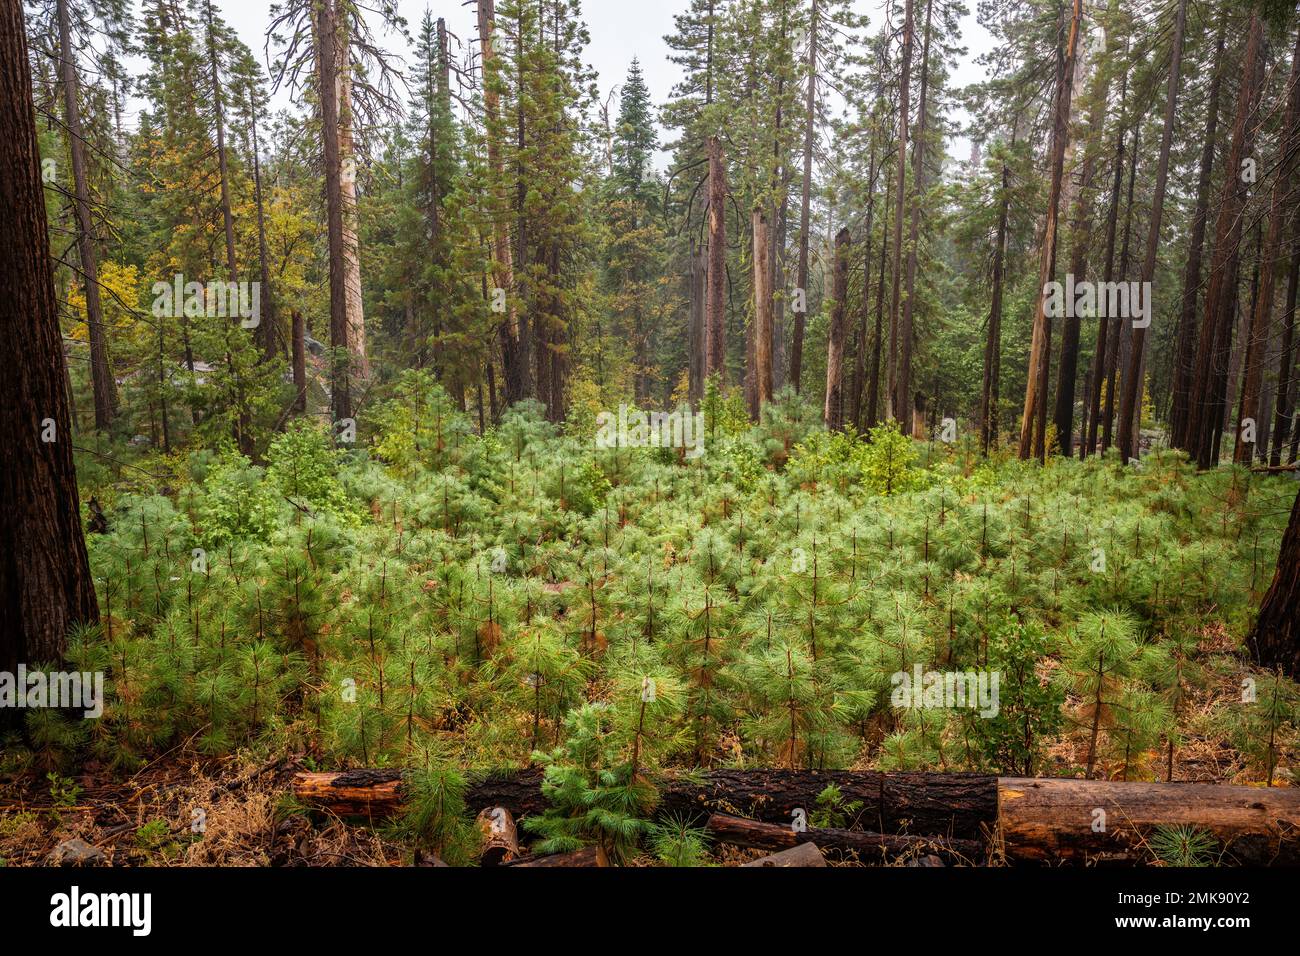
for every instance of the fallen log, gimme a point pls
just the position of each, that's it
(868, 847)
(957, 805)
(805, 854)
(1061, 820)
(587, 856)
(1030, 819)
(500, 836)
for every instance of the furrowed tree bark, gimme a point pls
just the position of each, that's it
(697, 270)
(101, 374)
(1274, 639)
(715, 316)
(1261, 325)
(833, 410)
(1130, 407)
(1185, 348)
(805, 200)
(1286, 363)
(1221, 295)
(45, 581)
(740, 831)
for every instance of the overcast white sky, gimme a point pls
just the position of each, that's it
(620, 30)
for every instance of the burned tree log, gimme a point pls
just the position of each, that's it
(954, 805)
(868, 846)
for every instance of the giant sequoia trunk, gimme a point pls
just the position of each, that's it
(101, 374)
(45, 582)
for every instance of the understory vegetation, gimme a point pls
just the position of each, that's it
(438, 600)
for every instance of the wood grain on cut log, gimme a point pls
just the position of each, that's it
(500, 836)
(867, 846)
(1050, 819)
(805, 854)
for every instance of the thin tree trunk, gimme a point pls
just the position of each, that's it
(1035, 409)
(873, 383)
(1118, 342)
(833, 410)
(1220, 297)
(1185, 348)
(715, 317)
(327, 68)
(101, 373)
(299, 363)
(900, 196)
(906, 328)
(1261, 324)
(1130, 407)
(805, 199)
(762, 310)
(514, 362)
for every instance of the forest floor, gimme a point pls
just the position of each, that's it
(251, 819)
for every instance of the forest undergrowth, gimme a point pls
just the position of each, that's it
(429, 598)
